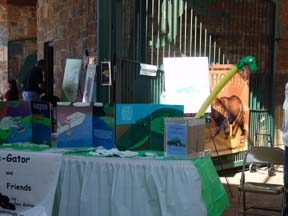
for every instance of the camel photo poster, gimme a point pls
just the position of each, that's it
(229, 112)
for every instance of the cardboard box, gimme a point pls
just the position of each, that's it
(141, 126)
(74, 125)
(15, 121)
(184, 136)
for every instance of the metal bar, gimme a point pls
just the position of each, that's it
(158, 34)
(232, 25)
(191, 34)
(200, 40)
(175, 15)
(258, 102)
(259, 47)
(210, 46)
(146, 27)
(155, 92)
(244, 18)
(239, 26)
(169, 45)
(214, 53)
(219, 55)
(172, 27)
(152, 31)
(225, 32)
(205, 42)
(137, 42)
(185, 33)
(195, 36)
(180, 34)
(160, 84)
(165, 20)
(269, 36)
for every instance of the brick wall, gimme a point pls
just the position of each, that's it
(71, 25)
(281, 75)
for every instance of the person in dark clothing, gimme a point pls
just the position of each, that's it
(33, 85)
(12, 93)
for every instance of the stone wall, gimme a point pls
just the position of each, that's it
(71, 26)
(22, 35)
(3, 43)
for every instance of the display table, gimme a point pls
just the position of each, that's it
(113, 186)
(125, 186)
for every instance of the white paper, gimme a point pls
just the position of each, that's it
(148, 70)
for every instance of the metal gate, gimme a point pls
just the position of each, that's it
(223, 30)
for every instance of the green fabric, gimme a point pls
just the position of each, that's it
(25, 147)
(80, 152)
(214, 194)
(142, 153)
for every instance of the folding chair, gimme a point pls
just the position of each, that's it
(260, 156)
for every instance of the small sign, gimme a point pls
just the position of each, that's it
(106, 73)
(148, 70)
(176, 138)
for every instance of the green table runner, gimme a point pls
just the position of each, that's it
(214, 194)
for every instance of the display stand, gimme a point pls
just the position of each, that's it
(219, 158)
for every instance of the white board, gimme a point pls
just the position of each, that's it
(186, 82)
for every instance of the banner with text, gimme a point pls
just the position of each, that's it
(28, 183)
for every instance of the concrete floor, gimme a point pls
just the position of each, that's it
(233, 178)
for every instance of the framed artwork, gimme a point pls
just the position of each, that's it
(106, 73)
(71, 80)
(89, 83)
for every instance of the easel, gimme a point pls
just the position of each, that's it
(218, 157)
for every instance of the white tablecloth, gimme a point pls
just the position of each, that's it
(91, 186)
